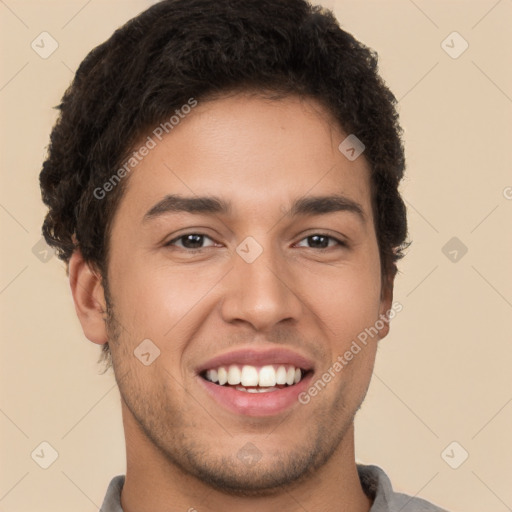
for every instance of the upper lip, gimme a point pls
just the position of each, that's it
(257, 357)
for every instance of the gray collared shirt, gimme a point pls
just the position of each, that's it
(375, 482)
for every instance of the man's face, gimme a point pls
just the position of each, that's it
(270, 286)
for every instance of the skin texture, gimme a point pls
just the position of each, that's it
(181, 445)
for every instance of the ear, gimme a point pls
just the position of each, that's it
(89, 298)
(386, 302)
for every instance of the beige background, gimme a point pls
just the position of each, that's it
(442, 375)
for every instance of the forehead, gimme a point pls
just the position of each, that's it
(259, 155)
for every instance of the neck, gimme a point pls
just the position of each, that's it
(153, 483)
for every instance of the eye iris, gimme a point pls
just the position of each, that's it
(319, 241)
(196, 240)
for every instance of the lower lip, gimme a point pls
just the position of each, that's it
(256, 404)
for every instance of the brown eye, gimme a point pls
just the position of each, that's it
(190, 241)
(322, 241)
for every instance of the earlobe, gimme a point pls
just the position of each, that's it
(89, 298)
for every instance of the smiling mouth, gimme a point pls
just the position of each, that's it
(255, 379)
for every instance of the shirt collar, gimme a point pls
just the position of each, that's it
(374, 481)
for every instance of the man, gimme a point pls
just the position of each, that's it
(222, 183)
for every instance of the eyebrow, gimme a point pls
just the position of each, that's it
(319, 205)
(309, 205)
(175, 203)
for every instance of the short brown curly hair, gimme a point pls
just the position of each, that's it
(178, 49)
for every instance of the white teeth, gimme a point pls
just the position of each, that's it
(234, 375)
(212, 376)
(266, 377)
(281, 375)
(249, 376)
(290, 376)
(256, 390)
(222, 375)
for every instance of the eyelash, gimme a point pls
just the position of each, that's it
(340, 243)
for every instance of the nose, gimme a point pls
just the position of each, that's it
(261, 293)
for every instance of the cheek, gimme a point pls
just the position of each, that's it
(158, 301)
(348, 299)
